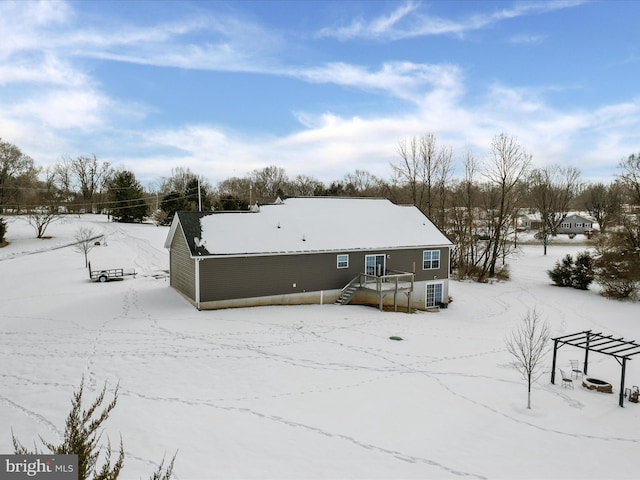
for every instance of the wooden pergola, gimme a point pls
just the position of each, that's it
(618, 348)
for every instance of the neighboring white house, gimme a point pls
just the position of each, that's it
(576, 224)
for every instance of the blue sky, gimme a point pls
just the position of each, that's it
(320, 88)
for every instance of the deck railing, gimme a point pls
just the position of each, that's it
(392, 280)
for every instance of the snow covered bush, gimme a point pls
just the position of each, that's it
(583, 274)
(562, 272)
(569, 273)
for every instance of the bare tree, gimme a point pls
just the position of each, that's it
(464, 228)
(425, 170)
(268, 183)
(630, 177)
(177, 181)
(443, 173)
(236, 188)
(85, 176)
(363, 184)
(505, 173)
(528, 344)
(85, 238)
(305, 186)
(551, 190)
(61, 175)
(41, 217)
(604, 203)
(409, 171)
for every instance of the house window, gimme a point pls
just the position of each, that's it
(343, 261)
(579, 225)
(434, 295)
(565, 225)
(430, 259)
(374, 264)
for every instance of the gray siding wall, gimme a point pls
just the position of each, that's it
(182, 266)
(258, 276)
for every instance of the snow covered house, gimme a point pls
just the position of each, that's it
(310, 250)
(530, 221)
(574, 224)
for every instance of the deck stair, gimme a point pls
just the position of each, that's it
(349, 291)
(392, 283)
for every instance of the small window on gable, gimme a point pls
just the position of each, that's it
(343, 261)
(431, 259)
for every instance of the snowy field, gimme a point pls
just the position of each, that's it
(304, 392)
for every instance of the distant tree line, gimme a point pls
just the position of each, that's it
(478, 210)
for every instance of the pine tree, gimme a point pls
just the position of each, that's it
(127, 197)
(582, 275)
(562, 273)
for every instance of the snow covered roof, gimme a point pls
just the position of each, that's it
(309, 224)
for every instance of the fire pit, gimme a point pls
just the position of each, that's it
(596, 384)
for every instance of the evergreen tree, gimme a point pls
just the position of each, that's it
(127, 197)
(197, 193)
(173, 202)
(577, 274)
(583, 274)
(3, 230)
(617, 268)
(562, 273)
(229, 202)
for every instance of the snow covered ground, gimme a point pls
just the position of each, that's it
(304, 392)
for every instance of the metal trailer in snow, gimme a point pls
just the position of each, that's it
(107, 274)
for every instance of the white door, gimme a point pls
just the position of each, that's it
(374, 264)
(434, 295)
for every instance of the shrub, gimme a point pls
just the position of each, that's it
(619, 289)
(577, 274)
(503, 273)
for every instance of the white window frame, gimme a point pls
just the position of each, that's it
(431, 260)
(342, 260)
(433, 300)
(374, 266)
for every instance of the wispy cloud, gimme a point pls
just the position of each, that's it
(47, 69)
(405, 80)
(408, 21)
(527, 39)
(379, 26)
(60, 99)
